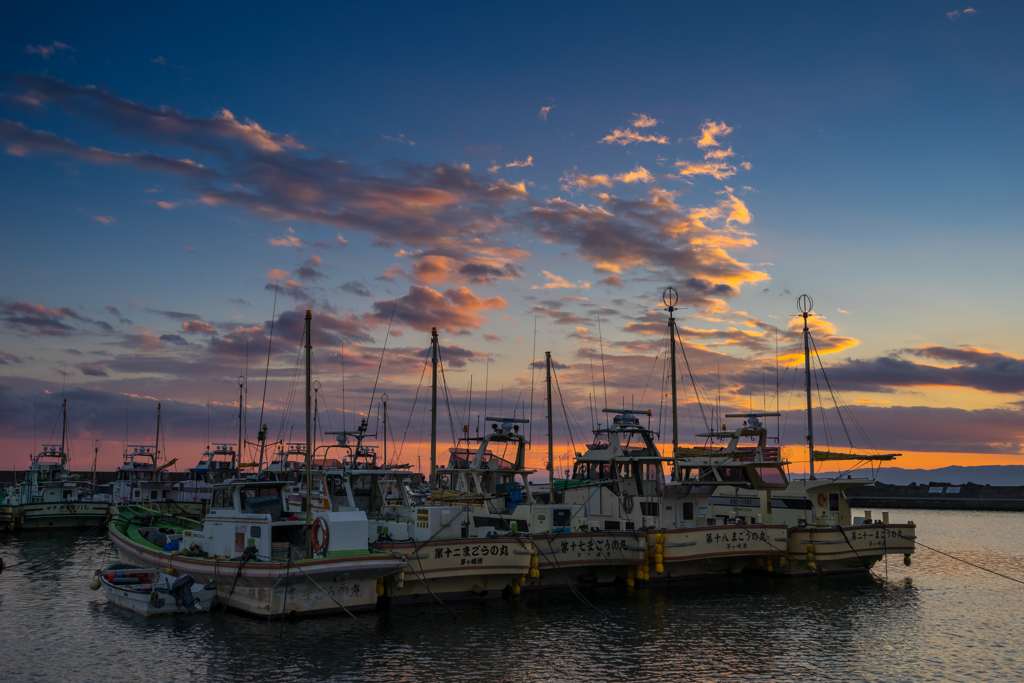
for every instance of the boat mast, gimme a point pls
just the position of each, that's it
(433, 404)
(309, 425)
(95, 456)
(156, 450)
(804, 305)
(670, 297)
(241, 384)
(551, 437)
(63, 433)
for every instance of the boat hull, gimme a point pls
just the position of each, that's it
(844, 549)
(151, 603)
(62, 515)
(586, 558)
(190, 509)
(275, 589)
(715, 550)
(457, 569)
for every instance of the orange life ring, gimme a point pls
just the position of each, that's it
(320, 545)
(822, 500)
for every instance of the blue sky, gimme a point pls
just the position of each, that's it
(880, 144)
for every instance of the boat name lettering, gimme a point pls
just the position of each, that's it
(470, 551)
(876, 534)
(590, 546)
(741, 536)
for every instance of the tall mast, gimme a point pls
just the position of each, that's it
(95, 456)
(670, 297)
(309, 424)
(156, 450)
(241, 385)
(804, 305)
(551, 436)
(64, 433)
(433, 404)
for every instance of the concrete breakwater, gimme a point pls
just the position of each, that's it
(938, 496)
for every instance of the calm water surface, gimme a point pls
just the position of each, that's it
(939, 620)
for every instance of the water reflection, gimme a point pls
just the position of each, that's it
(937, 620)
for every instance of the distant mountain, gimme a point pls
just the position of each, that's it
(995, 475)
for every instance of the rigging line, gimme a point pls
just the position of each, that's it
(828, 384)
(593, 388)
(533, 371)
(693, 381)
(266, 374)
(423, 372)
(604, 379)
(382, 350)
(821, 409)
(561, 399)
(651, 373)
(447, 395)
(292, 389)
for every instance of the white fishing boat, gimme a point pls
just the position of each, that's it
(824, 535)
(151, 592)
(48, 497)
(263, 560)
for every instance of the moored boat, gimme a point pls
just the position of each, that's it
(152, 592)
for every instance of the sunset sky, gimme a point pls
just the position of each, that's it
(164, 173)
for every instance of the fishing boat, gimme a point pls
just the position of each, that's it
(48, 497)
(215, 465)
(685, 539)
(824, 536)
(447, 558)
(151, 592)
(264, 561)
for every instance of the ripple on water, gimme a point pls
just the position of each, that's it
(939, 620)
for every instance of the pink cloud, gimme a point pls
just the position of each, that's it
(194, 326)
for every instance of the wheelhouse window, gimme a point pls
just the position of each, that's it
(221, 499)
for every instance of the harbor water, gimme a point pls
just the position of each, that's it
(938, 620)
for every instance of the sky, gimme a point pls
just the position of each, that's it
(177, 188)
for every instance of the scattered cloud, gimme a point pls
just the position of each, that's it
(45, 51)
(719, 171)
(105, 220)
(92, 369)
(455, 310)
(277, 274)
(612, 281)
(8, 358)
(168, 205)
(643, 121)
(544, 111)
(38, 320)
(356, 288)
(628, 136)
(718, 153)
(710, 131)
(159, 60)
(197, 326)
(287, 240)
(492, 337)
(514, 164)
(399, 139)
(841, 310)
(956, 14)
(558, 282)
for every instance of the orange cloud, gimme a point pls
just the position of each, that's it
(628, 136)
(456, 310)
(194, 326)
(254, 134)
(643, 121)
(709, 131)
(544, 111)
(718, 153)
(276, 274)
(558, 282)
(514, 164)
(719, 171)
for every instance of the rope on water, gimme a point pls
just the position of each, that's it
(976, 566)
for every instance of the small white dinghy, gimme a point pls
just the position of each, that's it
(151, 591)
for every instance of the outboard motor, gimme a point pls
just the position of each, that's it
(181, 589)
